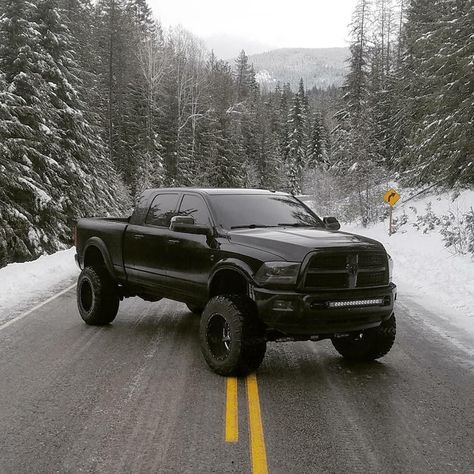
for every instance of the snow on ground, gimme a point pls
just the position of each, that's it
(24, 284)
(440, 203)
(424, 269)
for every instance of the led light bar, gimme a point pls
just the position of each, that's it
(355, 303)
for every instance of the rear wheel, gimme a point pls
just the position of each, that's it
(97, 296)
(231, 335)
(369, 344)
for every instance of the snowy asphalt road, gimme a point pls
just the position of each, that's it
(137, 397)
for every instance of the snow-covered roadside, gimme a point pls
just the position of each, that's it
(428, 272)
(23, 284)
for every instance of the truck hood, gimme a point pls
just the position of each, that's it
(293, 244)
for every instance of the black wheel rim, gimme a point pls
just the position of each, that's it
(86, 295)
(218, 336)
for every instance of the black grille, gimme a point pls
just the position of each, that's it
(371, 279)
(329, 261)
(327, 280)
(343, 270)
(370, 260)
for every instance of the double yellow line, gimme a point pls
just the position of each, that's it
(258, 453)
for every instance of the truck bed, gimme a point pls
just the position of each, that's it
(109, 230)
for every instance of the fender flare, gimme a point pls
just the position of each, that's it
(99, 245)
(235, 265)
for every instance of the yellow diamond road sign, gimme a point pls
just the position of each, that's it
(391, 196)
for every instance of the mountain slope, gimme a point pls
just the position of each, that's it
(320, 67)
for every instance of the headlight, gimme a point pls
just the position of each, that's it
(390, 268)
(277, 273)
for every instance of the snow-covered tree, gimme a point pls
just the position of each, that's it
(53, 171)
(440, 146)
(297, 125)
(244, 74)
(316, 149)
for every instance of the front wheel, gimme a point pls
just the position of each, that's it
(369, 344)
(231, 335)
(97, 296)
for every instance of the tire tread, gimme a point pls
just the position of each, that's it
(106, 298)
(378, 343)
(250, 339)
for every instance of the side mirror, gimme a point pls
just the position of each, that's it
(187, 225)
(331, 223)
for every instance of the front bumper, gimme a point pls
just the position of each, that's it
(303, 314)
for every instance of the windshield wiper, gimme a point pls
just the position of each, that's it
(296, 224)
(250, 226)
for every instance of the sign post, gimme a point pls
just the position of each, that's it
(390, 222)
(391, 197)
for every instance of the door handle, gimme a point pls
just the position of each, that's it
(138, 236)
(174, 241)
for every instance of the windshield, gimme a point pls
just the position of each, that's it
(239, 211)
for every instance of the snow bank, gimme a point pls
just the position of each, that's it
(424, 269)
(442, 203)
(22, 284)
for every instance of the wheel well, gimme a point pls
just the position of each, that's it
(228, 282)
(93, 258)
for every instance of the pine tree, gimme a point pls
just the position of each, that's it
(16, 203)
(316, 152)
(245, 122)
(73, 140)
(148, 149)
(244, 77)
(141, 15)
(219, 149)
(265, 167)
(408, 87)
(110, 45)
(357, 146)
(143, 75)
(49, 152)
(24, 194)
(297, 141)
(283, 126)
(440, 146)
(357, 79)
(19, 55)
(77, 15)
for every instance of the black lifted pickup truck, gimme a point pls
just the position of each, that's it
(256, 265)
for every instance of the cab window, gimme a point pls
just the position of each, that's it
(162, 209)
(194, 206)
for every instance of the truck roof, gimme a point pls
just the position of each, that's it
(212, 191)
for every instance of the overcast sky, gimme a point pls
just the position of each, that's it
(259, 25)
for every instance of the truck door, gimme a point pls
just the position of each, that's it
(146, 245)
(191, 256)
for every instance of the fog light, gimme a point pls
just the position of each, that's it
(355, 303)
(283, 305)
